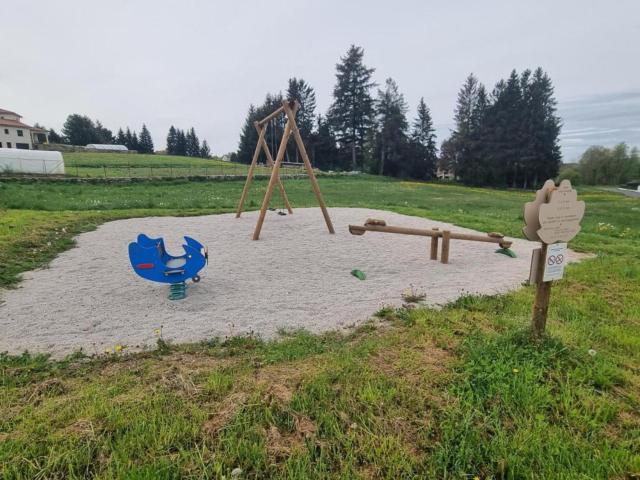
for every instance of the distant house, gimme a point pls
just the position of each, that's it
(445, 174)
(15, 134)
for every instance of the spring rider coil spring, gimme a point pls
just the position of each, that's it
(177, 291)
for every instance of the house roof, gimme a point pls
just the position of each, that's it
(2, 110)
(6, 122)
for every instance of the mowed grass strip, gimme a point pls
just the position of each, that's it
(119, 165)
(452, 393)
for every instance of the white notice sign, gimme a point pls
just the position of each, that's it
(555, 261)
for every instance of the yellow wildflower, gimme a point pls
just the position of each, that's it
(515, 370)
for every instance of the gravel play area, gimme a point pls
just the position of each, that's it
(296, 276)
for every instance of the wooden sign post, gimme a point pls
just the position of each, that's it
(554, 216)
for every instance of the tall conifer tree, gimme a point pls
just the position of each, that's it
(424, 139)
(145, 142)
(172, 141)
(391, 108)
(352, 113)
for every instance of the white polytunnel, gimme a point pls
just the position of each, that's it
(15, 160)
(100, 146)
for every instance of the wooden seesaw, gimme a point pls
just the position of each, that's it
(373, 225)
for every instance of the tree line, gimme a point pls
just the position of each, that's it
(81, 130)
(599, 165)
(359, 132)
(508, 137)
(186, 144)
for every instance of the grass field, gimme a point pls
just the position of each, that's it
(117, 165)
(420, 393)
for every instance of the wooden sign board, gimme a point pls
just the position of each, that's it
(560, 218)
(532, 211)
(554, 262)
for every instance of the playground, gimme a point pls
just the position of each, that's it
(399, 385)
(297, 276)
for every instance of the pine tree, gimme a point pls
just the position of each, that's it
(128, 139)
(463, 144)
(391, 110)
(120, 138)
(172, 141)
(424, 139)
(274, 128)
(352, 113)
(102, 135)
(145, 142)
(300, 91)
(205, 151)
(181, 143)
(135, 144)
(543, 128)
(248, 137)
(192, 144)
(324, 152)
(303, 93)
(54, 137)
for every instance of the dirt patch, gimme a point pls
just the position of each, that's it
(280, 382)
(51, 387)
(282, 444)
(411, 362)
(224, 413)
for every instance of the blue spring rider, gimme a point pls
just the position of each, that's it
(150, 260)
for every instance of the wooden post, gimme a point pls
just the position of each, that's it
(247, 183)
(434, 246)
(272, 180)
(541, 302)
(444, 257)
(291, 123)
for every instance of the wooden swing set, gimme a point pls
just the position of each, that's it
(291, 128)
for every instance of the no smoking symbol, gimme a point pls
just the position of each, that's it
(555, 259)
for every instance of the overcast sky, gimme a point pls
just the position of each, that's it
(201, 63)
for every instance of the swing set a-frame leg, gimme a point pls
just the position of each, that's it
(275, 176)
(307, 164)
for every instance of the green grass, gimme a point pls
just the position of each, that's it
(455, 393)
(89, 159)
(114, 165)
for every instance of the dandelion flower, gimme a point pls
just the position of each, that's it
(118, 348)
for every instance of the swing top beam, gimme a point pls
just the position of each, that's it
(273, 114)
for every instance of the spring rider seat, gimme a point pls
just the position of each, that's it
(150, 260)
